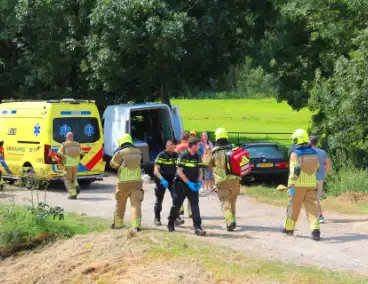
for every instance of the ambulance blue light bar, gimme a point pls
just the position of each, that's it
(75, 113)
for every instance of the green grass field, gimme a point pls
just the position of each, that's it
(243, 115)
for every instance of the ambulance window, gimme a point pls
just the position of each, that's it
(85, 129)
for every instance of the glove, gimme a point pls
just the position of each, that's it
(291, 191)
(199, 185)
(164, 183)
(192, 186)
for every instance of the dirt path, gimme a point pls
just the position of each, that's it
(344, 243)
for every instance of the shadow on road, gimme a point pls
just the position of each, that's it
(346, 221)
(346, 238)
(247, 228)
(93, 198)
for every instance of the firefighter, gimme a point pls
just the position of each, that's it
(128, 161)
(70, 151)
(228, 185)
(164, 171)
(188, 181)
(2, 182)
(302, 184)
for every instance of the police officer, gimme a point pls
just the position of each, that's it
(2, 182)
(182, 148)
(187, 183)
(302, 184)
(128, 160)
(228, 186)
(165, 170)
(70, 151)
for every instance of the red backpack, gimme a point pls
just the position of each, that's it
(237, 161)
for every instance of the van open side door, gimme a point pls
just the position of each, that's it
(177, 122)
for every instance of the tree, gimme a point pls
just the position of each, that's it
(308, 36)
(147, 49)
(342, 105)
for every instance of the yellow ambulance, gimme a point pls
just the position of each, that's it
(31, 130)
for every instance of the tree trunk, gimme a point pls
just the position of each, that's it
(165, 98)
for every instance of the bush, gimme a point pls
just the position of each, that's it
(26, 227)
(347, 179)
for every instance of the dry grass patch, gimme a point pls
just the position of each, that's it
(152, 257)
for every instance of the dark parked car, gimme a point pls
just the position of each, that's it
(268, 163)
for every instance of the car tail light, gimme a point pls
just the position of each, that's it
(281, 165)
(47, 158)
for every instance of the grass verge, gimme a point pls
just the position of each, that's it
(231, 267)
(347, 203)
(20, 229)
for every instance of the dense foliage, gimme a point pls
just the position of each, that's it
(308, 53)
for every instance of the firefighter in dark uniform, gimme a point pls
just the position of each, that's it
(187, 183)
(165, 170)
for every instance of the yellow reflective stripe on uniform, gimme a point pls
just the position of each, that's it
(71, 162)
(306, 180)
(189, 165)
(165, 162)
(129, 175)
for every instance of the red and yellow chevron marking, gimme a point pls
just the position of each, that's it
(92, 160)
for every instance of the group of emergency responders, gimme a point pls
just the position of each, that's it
(179, 169)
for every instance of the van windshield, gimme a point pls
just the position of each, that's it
(85, 129)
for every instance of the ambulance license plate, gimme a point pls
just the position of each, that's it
(265, 165)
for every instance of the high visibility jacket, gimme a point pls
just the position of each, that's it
(127, 161)
(70, 152)
(304, 164)
(216, 159)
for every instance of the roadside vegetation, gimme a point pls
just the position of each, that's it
(346, 191)
(26, 227)
(155, 256)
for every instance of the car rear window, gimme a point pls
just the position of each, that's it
(85, 129)
(264, 151)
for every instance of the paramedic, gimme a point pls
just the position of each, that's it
(127, 161)
(70, 151)
(164, 171)
(302, 184)
(187, 183)
(228, 185)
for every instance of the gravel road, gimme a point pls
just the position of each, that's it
(344, 244)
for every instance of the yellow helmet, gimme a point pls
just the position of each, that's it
(126, 138)
(221, 133)
(300, 136)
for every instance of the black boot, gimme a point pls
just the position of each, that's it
(199, 232)
(231, 227)
(157, 222)
(287, 232)
(316, 235)
(171, 227)
(137, 230)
